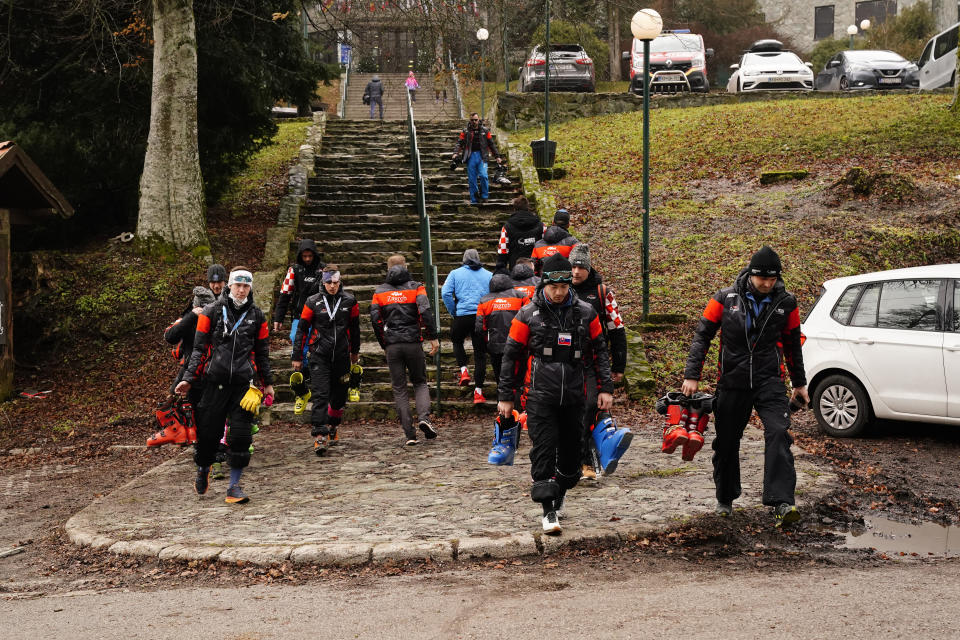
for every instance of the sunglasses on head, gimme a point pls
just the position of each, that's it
(241, 280)
(553, 277)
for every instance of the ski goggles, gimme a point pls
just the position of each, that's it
(330, 276)
(555, 277)
(241, 277)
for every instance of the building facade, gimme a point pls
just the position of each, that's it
(805, 22)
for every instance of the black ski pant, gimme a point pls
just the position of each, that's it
(403, 357)
(328, 379)
(733, 410)
(220, 403)
(463, 327)
(555, 453)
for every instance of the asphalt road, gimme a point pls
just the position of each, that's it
(898, 600)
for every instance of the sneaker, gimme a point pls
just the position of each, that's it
(724, 509)
(202, 482)
(216, 471)
(235, 495)
(551, 524)
(428, 431)
(785, 514)
(464, 379)
(412, 442)
(301, 404)
(320, 445)
(478, 397)
(587, 471)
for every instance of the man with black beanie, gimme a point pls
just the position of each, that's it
(560, 337)
(755, 316)
(518, 234)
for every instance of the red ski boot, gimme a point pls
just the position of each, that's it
(172, 428)
(701, 404)
(674, 407)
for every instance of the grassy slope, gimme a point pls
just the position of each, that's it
(709, 212)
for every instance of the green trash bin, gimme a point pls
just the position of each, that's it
(544, 154)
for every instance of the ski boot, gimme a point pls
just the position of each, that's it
(674, 406)
(172, 428)
(701, 404)
(611, 442)
(301, 391)
(186, 410)
(353, 386)
(321, 445)
(506, 433)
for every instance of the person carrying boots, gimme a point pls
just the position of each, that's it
(237, 334)
(590, 288)
(518, 235)
(398, 310)
(754, 316)
(524, 279)
(556, 239)
(461, 293)
(495, 312)
(329, 329)
(556, 338)
(475, 146)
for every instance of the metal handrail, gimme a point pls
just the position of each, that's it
(344, 83)
(430, 277)
(456, 84)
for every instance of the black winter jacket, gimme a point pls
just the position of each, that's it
(748, 359)
(465, 143)
(549, 347)
(301, 282)
(240, 351)
(399, 308)
(517, 237)
(496, 311)
(601, 298)
(524, 279)
(330, 339)
(555, 240)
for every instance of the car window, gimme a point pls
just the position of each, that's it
(866, 313)
(945, 43)
(841, 310)
(925, 56)
(956, 306)
(909, 304)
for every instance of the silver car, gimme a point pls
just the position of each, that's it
(571, 69)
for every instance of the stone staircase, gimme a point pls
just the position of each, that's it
(361, 209)
(394, 101)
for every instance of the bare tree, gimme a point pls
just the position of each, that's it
(171, 187)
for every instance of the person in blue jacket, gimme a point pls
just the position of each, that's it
(461, 292)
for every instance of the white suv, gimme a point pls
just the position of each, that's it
(885, 345)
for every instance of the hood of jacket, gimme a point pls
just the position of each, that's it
(554, 234)
(522, 272)
(308, 245)
(501, 282)
(524, 220)
(397, 275)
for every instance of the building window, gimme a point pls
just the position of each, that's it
(823, 22)
(876, 11)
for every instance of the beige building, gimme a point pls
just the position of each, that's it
(805, 22)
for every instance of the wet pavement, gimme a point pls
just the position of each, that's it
(373, 499)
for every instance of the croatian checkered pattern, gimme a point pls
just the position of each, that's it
(502, 247)
(287, 286)
(614, 319)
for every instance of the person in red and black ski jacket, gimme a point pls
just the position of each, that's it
(301, 282)
(759, 325)
(495, 313)
(518, 235)
(524, 279)
(329, 329)
(556, 239)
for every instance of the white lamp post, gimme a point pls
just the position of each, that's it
(646, 25)
(482, 35)
(852, 31)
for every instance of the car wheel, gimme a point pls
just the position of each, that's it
(841, 406)
(844, 83)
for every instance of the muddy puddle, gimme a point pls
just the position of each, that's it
(887, 536)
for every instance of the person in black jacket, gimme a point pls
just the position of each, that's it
(556, 338)
(301, 282)
(518, 235)
(590, 288)
(475, 146)
(398, 311)
(330, 329)
(238, 336)
(755, 317)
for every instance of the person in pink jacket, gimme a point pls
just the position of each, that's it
(412, 86)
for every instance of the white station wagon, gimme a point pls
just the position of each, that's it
(885, 345)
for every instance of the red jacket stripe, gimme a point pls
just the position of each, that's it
(519, 332)
(595, 328)
(714, 311)
(203, 323)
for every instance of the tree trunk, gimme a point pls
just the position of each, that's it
(955, 105)
(613, 39)
(171, 187)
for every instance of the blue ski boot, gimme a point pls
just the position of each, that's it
(506, 433)
(611, 442)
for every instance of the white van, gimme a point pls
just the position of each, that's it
(938, 62)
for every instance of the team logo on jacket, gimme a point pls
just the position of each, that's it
(397, 296)
(780, 311)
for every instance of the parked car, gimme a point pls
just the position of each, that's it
(766, 66)
(885, 345)
(867, 69)
(678, 62)
(938, 62)
(571, 69)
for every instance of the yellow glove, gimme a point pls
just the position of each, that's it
(251, 400)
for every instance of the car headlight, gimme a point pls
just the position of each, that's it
(751, 72)
(911, 68)
(698, 61)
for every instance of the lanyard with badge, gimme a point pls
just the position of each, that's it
(226, 325)
(336, 307)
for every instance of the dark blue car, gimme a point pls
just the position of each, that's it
(867, 69)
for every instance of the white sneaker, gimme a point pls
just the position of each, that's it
(551, 525)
